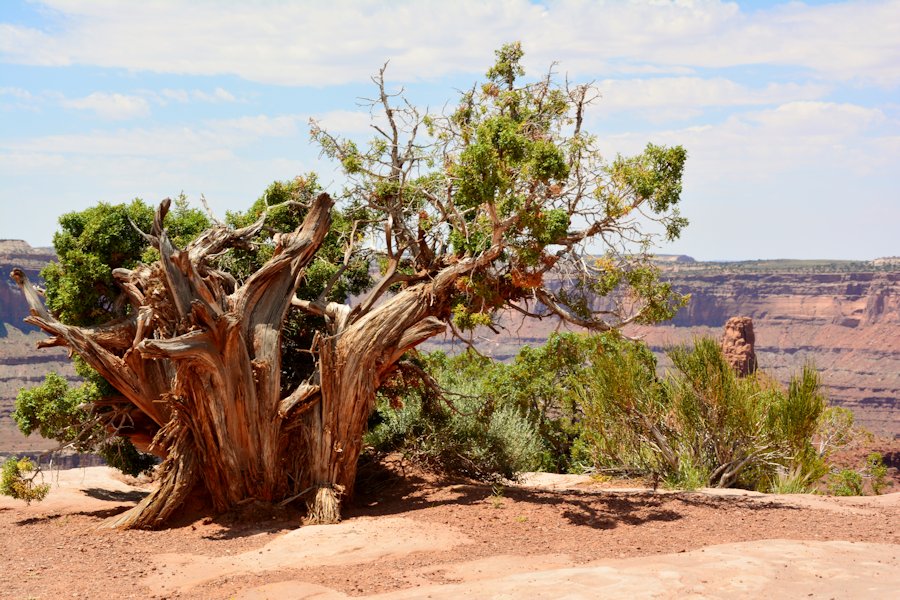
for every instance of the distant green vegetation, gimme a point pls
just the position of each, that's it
(597, 404)
(788, 266)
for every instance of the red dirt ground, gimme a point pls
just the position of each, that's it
(413, 531)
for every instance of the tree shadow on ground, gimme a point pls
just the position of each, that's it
(252, 518)
(702, 500)
(103, 513)
(115, 496)
(390, 491)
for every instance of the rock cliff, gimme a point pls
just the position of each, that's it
(738, 345)
(21, 364)
(842, 317)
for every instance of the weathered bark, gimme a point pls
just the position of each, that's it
(202, 363)
(354, 361)
(178, 477)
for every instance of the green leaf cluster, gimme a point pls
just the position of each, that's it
(55, 410)
(16, 482)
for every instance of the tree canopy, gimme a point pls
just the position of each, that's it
(247, 353)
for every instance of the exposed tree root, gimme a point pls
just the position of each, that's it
(178, 478)
(325, 507)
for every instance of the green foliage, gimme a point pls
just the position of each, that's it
(510, 170)
(51, 408)
(119, 453)
(846, 482)
(877, 472)
(852, 482)
(620, 398)
(466, 434)
(17, 480)
(63, 413)
(793, 481)
(508, 67)
(597, 403)
(701, 425)
(90, 244)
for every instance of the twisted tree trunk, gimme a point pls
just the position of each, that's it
(353, 362)
(203, 361)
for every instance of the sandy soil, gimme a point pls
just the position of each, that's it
(415, 536)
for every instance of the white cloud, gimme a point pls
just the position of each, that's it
(343, 41)
(115, 107)
(167, 95)
(231, 161)
(749, 148)
(683, 96)
(210, 139)
(17, 93)
(801, 180)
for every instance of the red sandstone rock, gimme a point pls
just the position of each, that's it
(737, 345)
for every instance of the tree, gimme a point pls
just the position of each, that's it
(254, 383)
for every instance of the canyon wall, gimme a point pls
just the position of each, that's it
(21, 363)
(845, 322)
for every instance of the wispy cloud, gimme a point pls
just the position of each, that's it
(203, 140)
(342, 41)
(348, 122)
(167, 95)
(667, 98)
(762, 145)
(17, 93)
(116, 107)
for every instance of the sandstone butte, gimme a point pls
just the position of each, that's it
(843, 316)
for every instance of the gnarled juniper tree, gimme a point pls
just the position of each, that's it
(238, 358)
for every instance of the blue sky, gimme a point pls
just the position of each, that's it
(790, 112)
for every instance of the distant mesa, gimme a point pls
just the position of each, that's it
(18, 253)
(887, 261)
(673, 259)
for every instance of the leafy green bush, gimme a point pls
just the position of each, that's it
(16, 482)
(852, 482)
(60, 412)
(464, 433)
(597, 403)
(877, 472)
(621, 404)
(846, 482)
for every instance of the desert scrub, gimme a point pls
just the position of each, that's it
(701, 424)
(852, 482)
(17, 477)
(459, 431)
(56, 411)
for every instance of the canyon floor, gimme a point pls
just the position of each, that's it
(415, 535)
